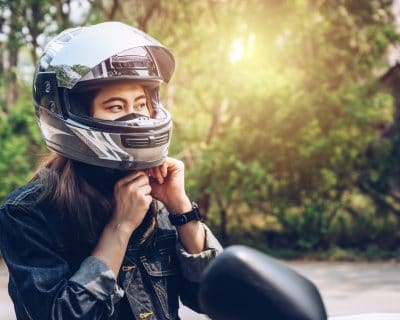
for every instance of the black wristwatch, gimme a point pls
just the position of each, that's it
(183, 218)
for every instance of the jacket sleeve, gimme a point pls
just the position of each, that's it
(192, 267)
(45, 286)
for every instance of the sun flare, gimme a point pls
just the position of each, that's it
(237, 50)
(241, 47)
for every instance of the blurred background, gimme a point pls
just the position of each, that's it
(286, 113)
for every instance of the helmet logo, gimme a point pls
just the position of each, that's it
(47, 87)
(152, 140)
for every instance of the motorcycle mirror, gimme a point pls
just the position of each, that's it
(243, 283)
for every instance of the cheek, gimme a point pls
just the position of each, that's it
(96, 113)
(95, 110)
(145, 112)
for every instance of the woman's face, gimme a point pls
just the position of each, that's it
(120, 99)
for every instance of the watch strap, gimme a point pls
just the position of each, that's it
(183, 218)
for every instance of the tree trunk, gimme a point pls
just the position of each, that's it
(36, 16)
(2, 91)
(150, 9)
(223, 228)
(61, 16)
(204, 205)
(114, 8)
(11, 77)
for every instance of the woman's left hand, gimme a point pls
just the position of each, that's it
(168, 185)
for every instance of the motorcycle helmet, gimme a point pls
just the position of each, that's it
(78, 62)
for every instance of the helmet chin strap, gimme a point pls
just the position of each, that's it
(101, 178)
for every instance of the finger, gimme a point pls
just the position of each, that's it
(158, 175)
(155, 174)
(142, 180)
(146, 190)
(149, 199)
(144, 201)
(164, 169)
(134, 185)
(131, 177)
(174, 165)
(134, 190)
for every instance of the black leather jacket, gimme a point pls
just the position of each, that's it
(50, 279)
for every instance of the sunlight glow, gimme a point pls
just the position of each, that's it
(250, 41)
(237, 50)
(242, 47)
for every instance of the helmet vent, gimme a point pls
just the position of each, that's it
(145, 142)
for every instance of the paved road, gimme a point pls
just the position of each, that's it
(353, 288)
(6, 310)
(347, 288)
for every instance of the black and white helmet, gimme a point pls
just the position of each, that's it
(82, 59)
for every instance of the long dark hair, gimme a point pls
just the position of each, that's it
(84, 206)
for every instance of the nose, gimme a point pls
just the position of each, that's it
(133, 108)
(130, 109)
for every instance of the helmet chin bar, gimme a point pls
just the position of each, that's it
(131, 148)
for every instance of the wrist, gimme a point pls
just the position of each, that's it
(179, 205)
(122, 230)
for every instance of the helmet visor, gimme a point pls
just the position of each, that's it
(135, 63)
(74, 53)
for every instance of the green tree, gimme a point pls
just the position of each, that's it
(277, 109)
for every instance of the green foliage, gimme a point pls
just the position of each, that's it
(20, 145)
(278, 115)
(286, 128)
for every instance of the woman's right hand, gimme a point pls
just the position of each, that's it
(132, 200)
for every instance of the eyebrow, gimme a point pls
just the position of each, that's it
(122, 99)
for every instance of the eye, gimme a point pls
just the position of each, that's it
(141, 106)
(115, 108)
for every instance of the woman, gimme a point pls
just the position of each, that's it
(105, 229)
